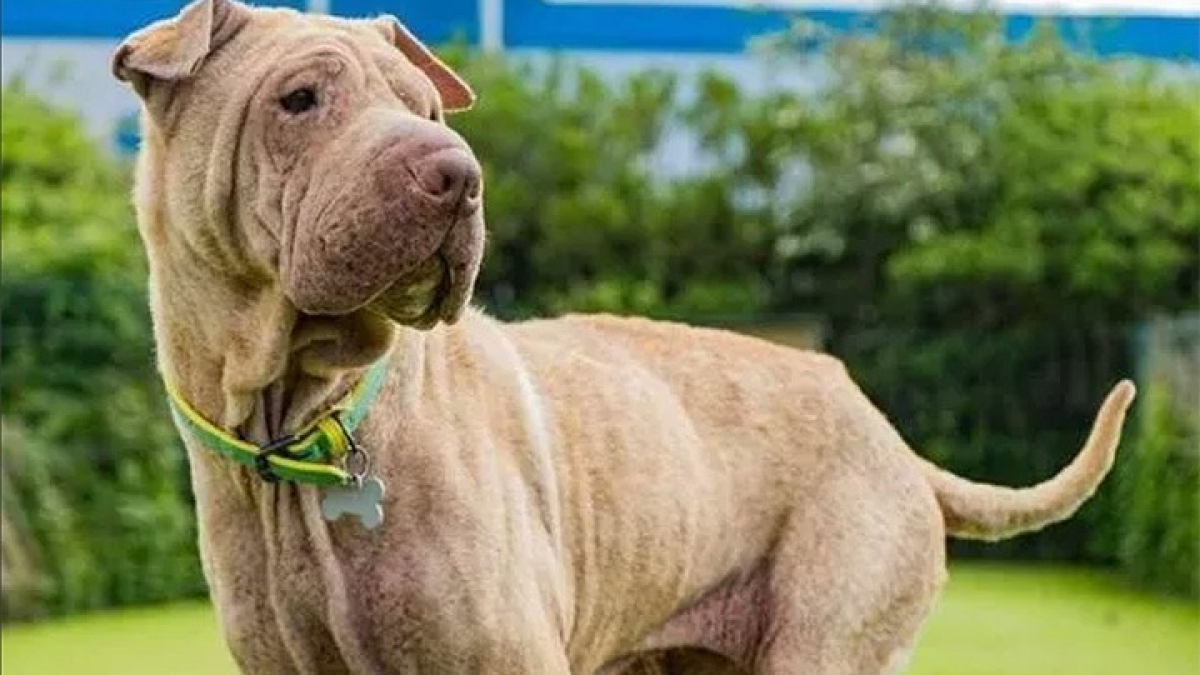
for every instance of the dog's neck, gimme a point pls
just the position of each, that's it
(228, 338)
(246, 360)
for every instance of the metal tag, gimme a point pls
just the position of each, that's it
(364, 501)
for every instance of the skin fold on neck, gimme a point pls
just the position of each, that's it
(234, 345)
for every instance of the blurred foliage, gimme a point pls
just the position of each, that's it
(93, 474)
(65, 203)
(988, 184)
(1160, 534)
(579, 218)
(1159, 522)
(978, 222)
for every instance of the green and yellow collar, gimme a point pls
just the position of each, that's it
(313, 455)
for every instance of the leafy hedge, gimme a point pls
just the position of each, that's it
(579, 215)
(979, 228)
(94, 484)
(1159, 482)
(1159, 542)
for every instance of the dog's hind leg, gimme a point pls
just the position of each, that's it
(852, 581)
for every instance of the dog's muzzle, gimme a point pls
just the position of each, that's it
(404, 238)
(439, 288)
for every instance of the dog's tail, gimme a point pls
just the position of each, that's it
(990, 512)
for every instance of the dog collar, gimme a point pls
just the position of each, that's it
(312, 455)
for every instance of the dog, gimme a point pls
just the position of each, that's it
(586, 495)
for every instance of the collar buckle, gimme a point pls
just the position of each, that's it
(262, 463)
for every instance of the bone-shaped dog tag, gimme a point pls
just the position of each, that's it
(363, 502)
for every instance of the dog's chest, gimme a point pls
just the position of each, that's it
(350, 601)
(290, 596)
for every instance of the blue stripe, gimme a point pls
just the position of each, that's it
(1159, 37)
(434, 21)
(536, 24)
(106, 19)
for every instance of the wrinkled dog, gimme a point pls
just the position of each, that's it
(582, 495)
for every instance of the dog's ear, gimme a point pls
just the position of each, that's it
(173, 49)
(456, 94)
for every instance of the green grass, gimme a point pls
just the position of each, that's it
(992, 620)
(1010, 620)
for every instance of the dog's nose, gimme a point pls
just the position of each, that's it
(450, 175)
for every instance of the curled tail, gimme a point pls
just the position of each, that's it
(989, 512)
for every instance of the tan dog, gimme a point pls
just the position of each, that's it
(585, 495)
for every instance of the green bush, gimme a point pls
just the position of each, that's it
(579, 215)
(93, 472)
(994, 183)
(1159, 526)
(1158, 523)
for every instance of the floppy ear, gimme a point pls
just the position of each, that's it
(173, 49)
(456, 94)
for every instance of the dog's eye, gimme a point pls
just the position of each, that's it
(433, 115)
(299, 101)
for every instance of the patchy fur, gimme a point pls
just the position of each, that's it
(583, 495)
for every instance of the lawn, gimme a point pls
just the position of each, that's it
(992, 620)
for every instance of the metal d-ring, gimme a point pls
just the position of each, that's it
(356, 456)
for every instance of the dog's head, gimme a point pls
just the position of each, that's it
(311, 152)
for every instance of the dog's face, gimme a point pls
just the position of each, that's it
(313, 150)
